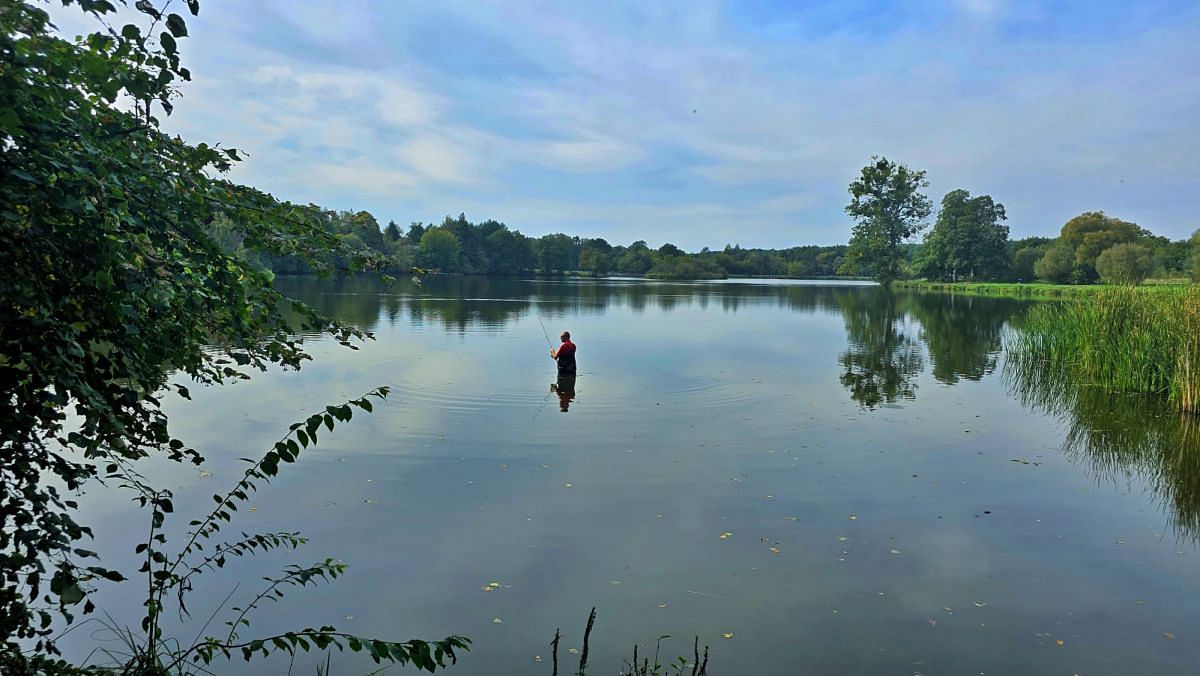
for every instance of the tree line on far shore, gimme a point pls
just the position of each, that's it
(490, 247)
(969, 241)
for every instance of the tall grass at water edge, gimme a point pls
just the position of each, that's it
(1120, 339)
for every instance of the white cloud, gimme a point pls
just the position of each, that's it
(693, 127)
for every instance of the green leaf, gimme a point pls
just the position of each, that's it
(176, 25)
(71, 595)
(168, 43)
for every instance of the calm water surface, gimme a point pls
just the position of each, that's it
(845, 480)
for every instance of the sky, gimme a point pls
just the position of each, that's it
(702, 123)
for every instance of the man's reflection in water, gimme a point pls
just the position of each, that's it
(565, 389)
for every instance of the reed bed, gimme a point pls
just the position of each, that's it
(1120, 339)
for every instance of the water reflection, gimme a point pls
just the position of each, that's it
(962, 333)
(890, 336)
(881, 360)
(1117, 437)
(461, 303)
(565, 389)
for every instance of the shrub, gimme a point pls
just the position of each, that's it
(1125, 264)
(1056, 265)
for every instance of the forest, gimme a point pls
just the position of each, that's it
(967, 242)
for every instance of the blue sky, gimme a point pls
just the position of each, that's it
(702, 123)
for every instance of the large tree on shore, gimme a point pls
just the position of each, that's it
(968, 240)
(888, 208)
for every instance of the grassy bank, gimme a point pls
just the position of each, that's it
(1122, 340)
(1030, 290)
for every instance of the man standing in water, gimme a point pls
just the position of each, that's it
(565, 356)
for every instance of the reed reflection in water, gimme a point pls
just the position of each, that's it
(1119, 436)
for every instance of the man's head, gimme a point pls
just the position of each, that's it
(566, 335)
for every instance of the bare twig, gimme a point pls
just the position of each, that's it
(554, 654)
(587, 634)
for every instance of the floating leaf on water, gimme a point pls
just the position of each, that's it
(253, 509)
(853, 517)
(1169, 636)
(369, 501)
(932, 622)
(792, 518)
(205, 473)
(1060, 641)
(726, 535)
(728, 634)
(948, 610)
(662, 605)
(496, 620)
(614, 582)
(572, 650)
(774, 550)
(568, 485)
(843, 538)
(537, 658)
(895, 551)
(980, 604)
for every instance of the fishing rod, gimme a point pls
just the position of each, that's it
(544, 331)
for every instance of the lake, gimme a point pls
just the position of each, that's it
(813, 477)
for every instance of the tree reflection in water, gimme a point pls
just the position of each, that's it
(1120, 436)
(881, 361)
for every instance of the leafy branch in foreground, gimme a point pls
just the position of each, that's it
(171, 577)
(115, 279)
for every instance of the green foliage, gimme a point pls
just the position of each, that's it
(1056, 265)
(637, 260)
(669, 250)
(1121, 339)
(595, 261)
(1089, 234)
(556, 253)
(508, 252)
(439, 250)
(888, 208)
(967, 241)
(1024, 262)
(392, 232)
(1196, 256)
(171, 576)
(1125, 264)
(682, 267)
